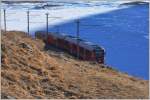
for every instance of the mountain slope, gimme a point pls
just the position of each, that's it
(30, 71)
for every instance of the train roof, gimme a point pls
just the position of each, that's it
(86, 44)
(75, 40)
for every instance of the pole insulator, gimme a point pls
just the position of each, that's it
(78, 36)
(47, 26)
(28, 22)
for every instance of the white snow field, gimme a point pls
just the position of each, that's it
(16, 13)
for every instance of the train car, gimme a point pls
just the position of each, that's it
(75, 46)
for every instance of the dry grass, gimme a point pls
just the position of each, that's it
(30, 72)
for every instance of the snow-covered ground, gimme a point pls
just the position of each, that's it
(16, 13)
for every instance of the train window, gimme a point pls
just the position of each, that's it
(74, 46)
(88, 53)
(66, 43)
(80, 40)
(70, 36)
(81, 50)
(98, 52)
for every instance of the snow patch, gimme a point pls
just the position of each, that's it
(16, 16)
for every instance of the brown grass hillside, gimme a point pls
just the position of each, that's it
(28, 71)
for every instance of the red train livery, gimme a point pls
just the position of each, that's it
(75, 46)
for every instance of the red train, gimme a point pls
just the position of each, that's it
(78, 47)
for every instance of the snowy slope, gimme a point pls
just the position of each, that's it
(16, 15)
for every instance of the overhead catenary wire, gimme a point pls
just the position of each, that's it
(10, 13)
(47, 23)
(56, 17)
(36, 22)
(79, 24)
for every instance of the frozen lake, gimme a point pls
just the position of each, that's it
(122, 31)
(124, 35)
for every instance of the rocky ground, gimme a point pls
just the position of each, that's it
(29, 71)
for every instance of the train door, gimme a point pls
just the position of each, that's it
(98, 55)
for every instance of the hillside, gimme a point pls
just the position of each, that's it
(29, 71)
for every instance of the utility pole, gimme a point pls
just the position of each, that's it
(47, 25)
(78, 36)
(28, 25)
(78, 28)
(5, 20)
(57, 29)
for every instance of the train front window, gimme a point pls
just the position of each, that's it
(98, 52)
